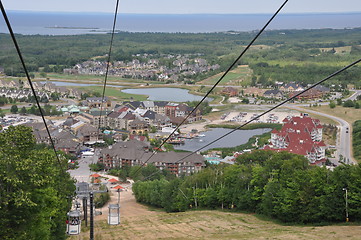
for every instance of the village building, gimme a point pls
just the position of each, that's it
(87, 133)
(273, 94)
(119, 120)
(138, 127)
(136, 153)
(230, 91)
(122, 154)
(291, 87)
(253, 91)
(178, 163)
(300, 135)
(96, 102)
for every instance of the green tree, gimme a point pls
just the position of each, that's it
(14, 109)
(34, 192)
(332, 104)
(23, 110)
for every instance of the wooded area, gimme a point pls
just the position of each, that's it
(279, 55)
(280, 185)
(35, 193)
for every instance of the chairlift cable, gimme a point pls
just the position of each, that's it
(108, 63)
(29, 80)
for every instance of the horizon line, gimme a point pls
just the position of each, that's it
(109, 13)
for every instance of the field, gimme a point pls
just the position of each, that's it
(240, 76)
(140, 222)
(115, 93)
(348, 114)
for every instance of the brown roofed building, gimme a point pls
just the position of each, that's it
(230, 91)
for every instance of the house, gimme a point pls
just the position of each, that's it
(170, 109)
(230, 91)
(96, 102)
(39, 131)
(148, 105)
(75, 93)
(119, 120)
(159, 107)
(183, 110)
(273, 94)
(178, 163)
(136, 153)
(300, 135)
(97, 118)
(310, 94)
(88, 133)
(122, 154)
(138, 127)
(69, 122)
(66, 141)
(291, 87)
(49, 86)
(157, 120)
(133, 104)
(253, 91)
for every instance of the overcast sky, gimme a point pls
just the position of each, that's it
(185, 6)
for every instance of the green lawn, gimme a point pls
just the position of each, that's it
(240, 76)
(115, 93)
(90, 78)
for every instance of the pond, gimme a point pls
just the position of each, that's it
(234, 139)
(166, 94)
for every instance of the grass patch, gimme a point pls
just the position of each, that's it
(240, 76)
(115, 93)
(348, 114)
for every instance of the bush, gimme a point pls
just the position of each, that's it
(96, 167)
(101, 199)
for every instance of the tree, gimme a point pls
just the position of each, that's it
(2, 114)
(245, 100)
(349, 103)
(34, 192)
(14, 109)
(357, 105)
(23, 110)
(332, 104)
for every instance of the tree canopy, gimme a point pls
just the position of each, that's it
(35, 193)
(280, 185)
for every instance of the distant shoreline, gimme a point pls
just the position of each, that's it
(71, 23)
(89, 28)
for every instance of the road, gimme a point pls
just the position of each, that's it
(82, 173)
(354, 95)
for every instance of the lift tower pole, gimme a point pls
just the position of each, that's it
(91, 216)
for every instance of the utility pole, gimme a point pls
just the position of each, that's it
(345, 189)
(91, 217)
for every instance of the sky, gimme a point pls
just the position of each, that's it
(185, 6)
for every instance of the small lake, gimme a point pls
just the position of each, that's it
(234, 139)
(166, 94)
(70, 84)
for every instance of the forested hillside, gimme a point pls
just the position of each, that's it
(279, 185)
(287, 55)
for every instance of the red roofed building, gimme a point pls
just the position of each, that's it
(300, 135)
